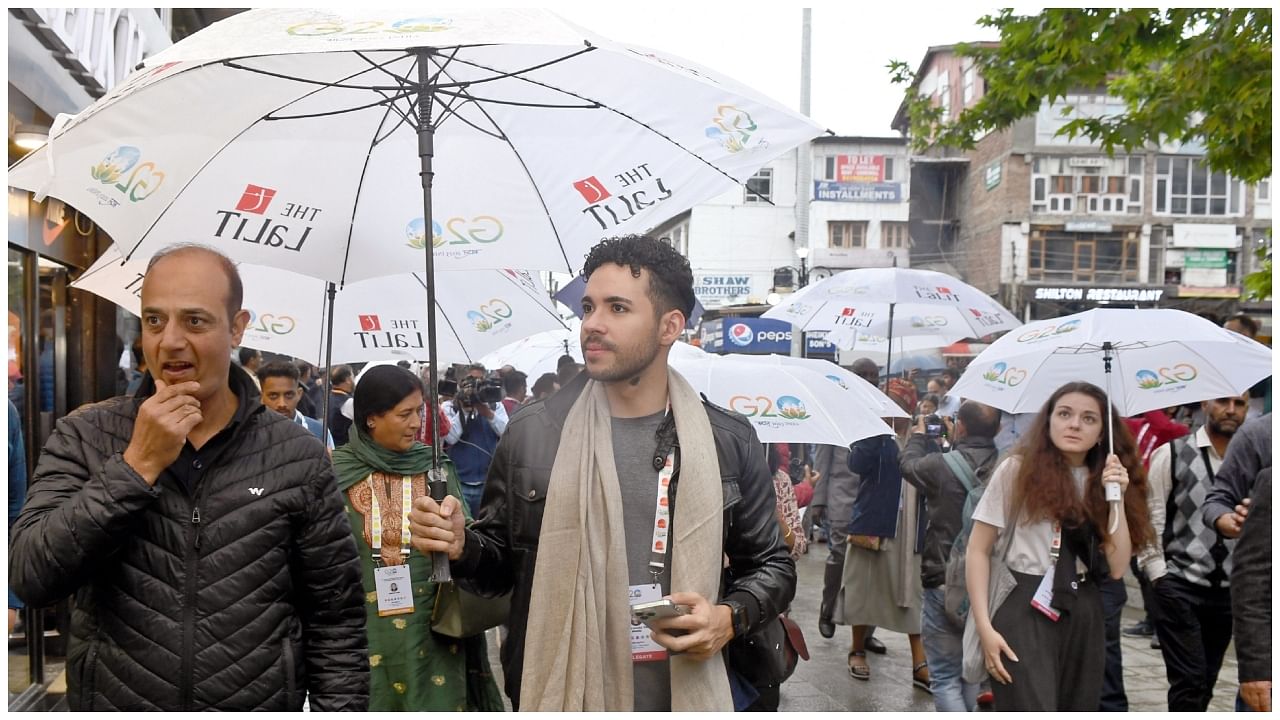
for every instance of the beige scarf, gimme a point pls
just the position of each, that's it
(577, 642)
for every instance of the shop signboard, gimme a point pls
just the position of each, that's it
(879, 192)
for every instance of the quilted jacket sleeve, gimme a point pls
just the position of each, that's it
(78, 511)
(331, 600)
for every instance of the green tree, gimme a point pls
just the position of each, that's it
(1184, 74)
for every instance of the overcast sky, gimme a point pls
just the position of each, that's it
(852, 44)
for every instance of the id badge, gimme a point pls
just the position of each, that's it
(643, 647)
(1043, 599)
(395, 590)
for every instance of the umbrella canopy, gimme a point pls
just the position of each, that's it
(1159, 358)
(295, 138)
(379, 319)
(785, 402)
(893, 302)
(863, 392)
(538, 353)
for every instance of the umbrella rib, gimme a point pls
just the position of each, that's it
(532, 183)
(461, 93)
(620, 113)
(447, 322)
(544, 308)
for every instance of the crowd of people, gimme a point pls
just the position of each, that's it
(228, 543)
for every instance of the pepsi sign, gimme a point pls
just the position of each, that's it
(747, 335)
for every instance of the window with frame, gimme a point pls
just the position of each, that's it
(1087, 185)
(1186, 186)
(1263, 190)
(759, 187)
(968, 85)
(944, 93)
(894, 235)
(1082, 257)
(847, 234)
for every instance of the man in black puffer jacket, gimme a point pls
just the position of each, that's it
(204, 538)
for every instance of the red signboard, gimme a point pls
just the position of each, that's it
(859, 168)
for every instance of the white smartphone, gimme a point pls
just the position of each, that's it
(650, 611)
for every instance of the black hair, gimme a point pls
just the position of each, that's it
(546, 383)
(931, 397)
(381, 389)
(339, 374)
(235, 295)
(979, 420)
(566, 373)
(563, 360)
(280, 368)
(304, 368)
(247, 354)
(951, 374)
(513, 381)
(1245, 321)
(670, 277)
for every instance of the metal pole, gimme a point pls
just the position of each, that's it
(328, 366)
(438, 478)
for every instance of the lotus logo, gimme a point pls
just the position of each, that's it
(731, 128)
(116, 164)
(739, 334)
(1176, 375)
(490, 315)
(424, 24)
(1002, 374)
(416, 232)
(791, 408)
(1049, 331)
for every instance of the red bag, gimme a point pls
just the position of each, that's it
(804, 494)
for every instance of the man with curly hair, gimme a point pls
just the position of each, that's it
(621, 488)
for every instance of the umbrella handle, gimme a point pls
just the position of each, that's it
(438, 486)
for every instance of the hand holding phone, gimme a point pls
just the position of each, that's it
(658, 609)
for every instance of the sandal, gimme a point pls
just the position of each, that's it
(922, 683)
(859, 672)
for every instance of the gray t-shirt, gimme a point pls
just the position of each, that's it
(634, 443)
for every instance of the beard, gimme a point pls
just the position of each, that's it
(1226, 428)
(628, 363)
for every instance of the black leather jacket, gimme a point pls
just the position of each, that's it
(501, 547)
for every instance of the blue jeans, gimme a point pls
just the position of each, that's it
(944, 649)
(472, 494)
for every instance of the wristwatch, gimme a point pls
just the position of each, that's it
(738, 611)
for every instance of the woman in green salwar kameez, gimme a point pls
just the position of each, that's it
(380, 471)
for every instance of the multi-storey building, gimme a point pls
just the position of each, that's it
(1053, 225)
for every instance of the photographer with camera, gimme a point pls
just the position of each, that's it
(476, 414)
(948, 481)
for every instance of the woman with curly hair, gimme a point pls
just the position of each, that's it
(1044, 644)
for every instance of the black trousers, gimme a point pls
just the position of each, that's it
(1060, 664)
(1114, 597)
(1194, 624)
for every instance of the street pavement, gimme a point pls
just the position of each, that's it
(823, 683)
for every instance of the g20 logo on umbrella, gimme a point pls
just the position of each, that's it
(740, 334)
(928, 321)
(490, 315)
(1049, 331)
(799, 309)
(837, 380)
(635, 189)
(268, 324)
(143, 177)
(1002, 374)
(1179, 374)
(788, 407)
(482, 229)
(943, 294)
(732, 128)
(370, 27)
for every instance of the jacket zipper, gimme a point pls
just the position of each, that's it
(189, 606)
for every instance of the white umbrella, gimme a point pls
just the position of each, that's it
(538, 353)
(863, 392)
(325, 141)
(893, 302)
(378, 319)
(1145, 359)
(785, 402)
